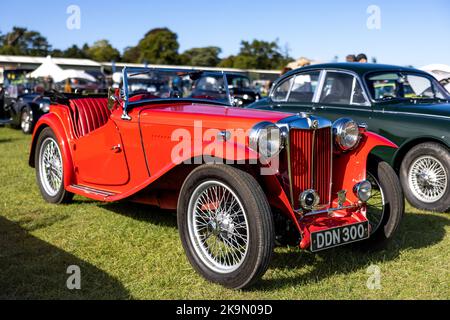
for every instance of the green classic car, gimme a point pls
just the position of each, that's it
(407, 106)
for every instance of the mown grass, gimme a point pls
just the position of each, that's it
(126, 251)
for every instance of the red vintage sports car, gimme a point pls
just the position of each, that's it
(240, 180)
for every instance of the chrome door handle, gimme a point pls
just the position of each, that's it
(117, 149)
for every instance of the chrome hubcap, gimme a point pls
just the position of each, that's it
(218, 227)
(428, 179)
(376, 205)
(51, 169)
(25, 122)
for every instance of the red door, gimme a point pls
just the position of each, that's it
(99, 158)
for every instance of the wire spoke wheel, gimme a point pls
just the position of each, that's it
(218, 227)
(51, 168)
(428, 179)
(376, 206)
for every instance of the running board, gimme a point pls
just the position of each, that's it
(5, 121)
(91, 191)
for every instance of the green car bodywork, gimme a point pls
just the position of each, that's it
(407, 122)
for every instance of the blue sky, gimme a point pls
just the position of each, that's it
(412, 32)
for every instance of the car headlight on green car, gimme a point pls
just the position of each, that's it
(267, 139)
(346, 134)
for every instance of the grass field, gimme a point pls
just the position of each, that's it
(126, 251)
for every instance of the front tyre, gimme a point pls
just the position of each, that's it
(50, 169)
(226, 225)
(425, 176)
(386, 207)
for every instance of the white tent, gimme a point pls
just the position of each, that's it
(48, 69)
(78, 74)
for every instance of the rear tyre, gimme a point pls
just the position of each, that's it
(50, 169)
(425, 177)
(386, 207)
(226, 225)
(26, 120)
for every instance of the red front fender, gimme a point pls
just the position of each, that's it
(351, 168)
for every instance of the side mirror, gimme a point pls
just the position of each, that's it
(112, 98)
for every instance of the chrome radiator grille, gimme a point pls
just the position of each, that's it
(310, 163)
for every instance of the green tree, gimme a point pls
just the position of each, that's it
(57, 53)
(21, 41)
(203, 57)
(103, 51)
(258, 55)
(75, 52)
(131, 55)
(159, 46)
(227, 62)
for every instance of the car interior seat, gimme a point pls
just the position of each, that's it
(89, 114)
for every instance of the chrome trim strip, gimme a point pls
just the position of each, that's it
(349, 108)
(319, 89)
(353, 90)
(93, 191)
(288, 96)
(331, 166)
(413, 114)
(390, 112)
(288, 148)
(313, 157)
(329, 211)
(304, 121)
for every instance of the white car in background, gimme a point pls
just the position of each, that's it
(441, 72)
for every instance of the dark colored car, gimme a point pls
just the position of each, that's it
(4, 116)
(22, 102)
(239, 86)
(407, 106)
(81, 86)
(241, 90)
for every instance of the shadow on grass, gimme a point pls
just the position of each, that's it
(416, 232)
(144, 213)
(7, 140)
(33, 269)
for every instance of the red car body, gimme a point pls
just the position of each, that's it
(94, 169)
(111, 154)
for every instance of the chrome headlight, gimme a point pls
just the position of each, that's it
(364, 191)
(346, 134)
(309, 199)
(44, 106)
(266, 138)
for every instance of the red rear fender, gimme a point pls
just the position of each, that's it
(62, 133)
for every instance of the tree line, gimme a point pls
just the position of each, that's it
(158, 46)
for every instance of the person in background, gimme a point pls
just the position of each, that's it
(67, 87)
(268, 87)
(362, 58)
(285, 70)
(48, 83)
(350, 58)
